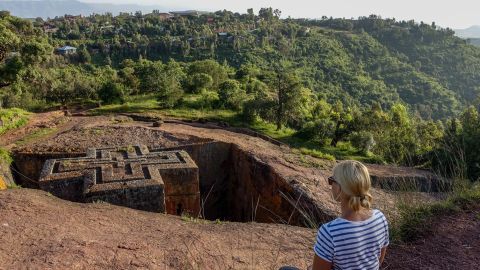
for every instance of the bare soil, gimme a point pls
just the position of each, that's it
(453, 244)
(80, 138)
(39, 231)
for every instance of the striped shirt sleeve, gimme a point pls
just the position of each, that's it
(324, 245)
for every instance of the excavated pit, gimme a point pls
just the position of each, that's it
(234, 185)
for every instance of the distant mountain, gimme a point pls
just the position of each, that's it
(471, 32)
(474, 41)
(52, 8)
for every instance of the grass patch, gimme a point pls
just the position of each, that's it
(316, 153)
(13, 186)
(195, 114)
(416, 221)
(190, 109)
(35, 135)
(133, 104)
(5, 156)
(270, 130)
(13, 118)
(190, 219)
(345, 150)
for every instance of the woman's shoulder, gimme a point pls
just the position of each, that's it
(377, 212)
(339, 222)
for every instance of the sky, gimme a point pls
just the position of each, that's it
(446, 13)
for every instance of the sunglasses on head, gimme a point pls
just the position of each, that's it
(331, 180)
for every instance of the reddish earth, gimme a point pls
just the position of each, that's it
(41, 232)
(36, 121)
(454, 243)
(304, 173)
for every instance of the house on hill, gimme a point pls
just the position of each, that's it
(49, 28)
(165, 16)
(189, 13)
(66, 50)
(72, 18)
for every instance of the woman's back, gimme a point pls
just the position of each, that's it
(353, 244)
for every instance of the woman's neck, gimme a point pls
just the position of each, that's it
(352, 215)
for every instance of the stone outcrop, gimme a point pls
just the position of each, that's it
(6, 177)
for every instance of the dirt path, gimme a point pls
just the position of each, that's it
(453, 244)
(37, 121)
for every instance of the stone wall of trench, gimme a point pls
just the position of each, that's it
(237, 186)
(234, 184)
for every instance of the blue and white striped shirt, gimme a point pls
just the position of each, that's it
(353, 244)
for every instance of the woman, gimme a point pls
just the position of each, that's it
(359, 237)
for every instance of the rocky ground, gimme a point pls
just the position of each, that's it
(305, 172)
(454, 243)
(40, 231)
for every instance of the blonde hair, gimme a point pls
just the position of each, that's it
(354, 179)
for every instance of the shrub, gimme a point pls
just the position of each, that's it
(230, 95)
(363, 141)
(201, 81)
(112, 93)
(5, 157)
(207, 99)
(12, 118)
(319, 130)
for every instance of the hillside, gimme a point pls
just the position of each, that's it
(470, 32)
(359, 61)
(474, 41)
(226, 126)
(374, 86)
(104, 236)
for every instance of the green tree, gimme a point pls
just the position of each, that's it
(170, 89)
(201, 81)
(129, 79)
(287, 96)
(112, 92)
(231, 95)
(344, 122)
(470, 140)
(84, 56)
(217, 72)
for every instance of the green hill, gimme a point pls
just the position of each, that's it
(362, 61)
(366, 88)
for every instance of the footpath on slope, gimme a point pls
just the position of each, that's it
(454, 243)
